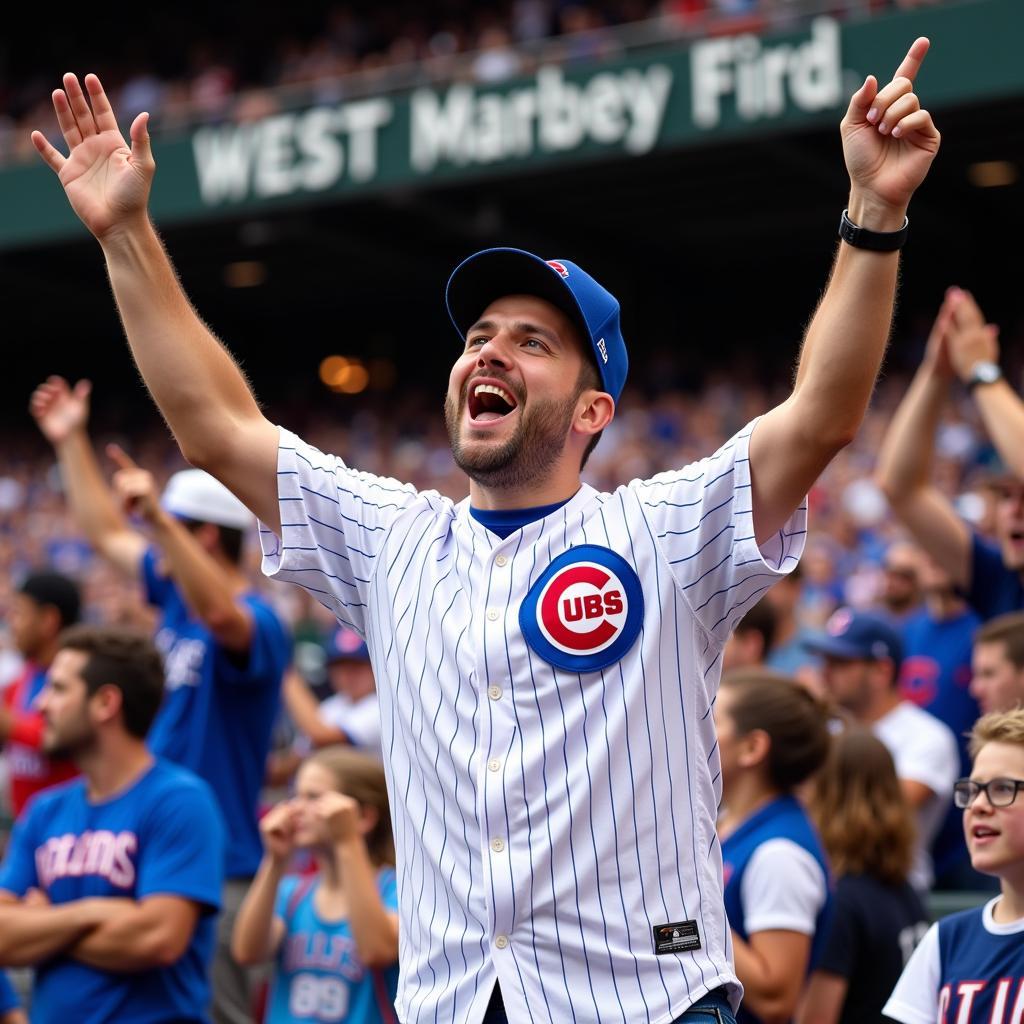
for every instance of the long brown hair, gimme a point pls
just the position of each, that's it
(362, 778)
(863, 818)
(795, 721)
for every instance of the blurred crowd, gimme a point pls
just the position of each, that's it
(245, 67)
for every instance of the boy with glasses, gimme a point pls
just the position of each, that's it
(970, 966)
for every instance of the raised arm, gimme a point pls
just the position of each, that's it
(889, 143)
(199, 388)
(258, 930)
(62, 415)
(904, 470)
(209, 594)
(971, 341)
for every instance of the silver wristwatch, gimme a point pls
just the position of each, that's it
(983, 372)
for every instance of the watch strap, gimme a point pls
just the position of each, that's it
(876, 241)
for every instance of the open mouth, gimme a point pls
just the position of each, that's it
(982, 832)
(489, 402)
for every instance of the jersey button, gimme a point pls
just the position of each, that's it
(493, 765)
(501, 941)
(494, 692)
(501, 561)
(492, 614)
(497, 845)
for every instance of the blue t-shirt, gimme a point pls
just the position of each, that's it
(219, 710)
(162, 836)
(936, 675)
(8, 997)
(318, 976)
(993, 589)
(505, 521)
(783, 818)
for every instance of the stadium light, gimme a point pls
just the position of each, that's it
(992, 173)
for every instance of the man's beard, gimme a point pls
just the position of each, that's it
(526, 457)
(72, 745)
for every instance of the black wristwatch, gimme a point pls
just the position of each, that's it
(876, 241)
(983, 372)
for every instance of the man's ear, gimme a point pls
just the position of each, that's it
(106, 703)
(596, 413)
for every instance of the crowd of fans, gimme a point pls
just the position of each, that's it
(249, 67)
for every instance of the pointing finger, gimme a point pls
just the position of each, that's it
(914, 58)
(117, 454)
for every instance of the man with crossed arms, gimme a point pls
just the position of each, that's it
(548, 655)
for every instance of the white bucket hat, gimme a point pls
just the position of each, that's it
(194, 494)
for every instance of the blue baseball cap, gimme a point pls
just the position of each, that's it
(860, 636)
(345, 645)
(488, 275)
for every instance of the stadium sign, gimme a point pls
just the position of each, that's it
(764, 79)
(314, 150)
(666, 97)
(550, 115)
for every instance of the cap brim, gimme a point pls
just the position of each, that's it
(489, 275)
(833, 647)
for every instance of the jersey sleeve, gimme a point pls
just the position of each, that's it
(18, 871)
(915, 999)
(333, 523)
(181, 851)
(703, 519)
(783, 889)
(269, 651)
(931, 758)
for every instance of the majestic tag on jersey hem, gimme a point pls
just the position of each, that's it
(677, 937)
(585, 611)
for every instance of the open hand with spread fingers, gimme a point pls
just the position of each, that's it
(106, 181)
(889, 140)
(59, 410)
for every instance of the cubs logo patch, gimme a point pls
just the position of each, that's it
(585, 611)
(560, 267)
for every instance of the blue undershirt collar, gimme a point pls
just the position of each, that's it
(505, 521)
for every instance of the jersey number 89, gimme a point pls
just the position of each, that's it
(321, 999)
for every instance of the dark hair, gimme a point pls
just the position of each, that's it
(1007, 630)
(124, 658)
(794, 719)
(858, 805)
(763, 619)
(229, 538)
(46, 587)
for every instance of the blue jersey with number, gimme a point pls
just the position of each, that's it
(162, 836)
(319, 978)
(219, 710)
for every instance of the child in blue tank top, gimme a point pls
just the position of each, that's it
(333, 936)
(969, 968)
(772, 735)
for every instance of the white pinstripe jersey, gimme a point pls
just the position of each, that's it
(546, 820)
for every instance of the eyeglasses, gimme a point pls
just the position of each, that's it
(999, 792)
